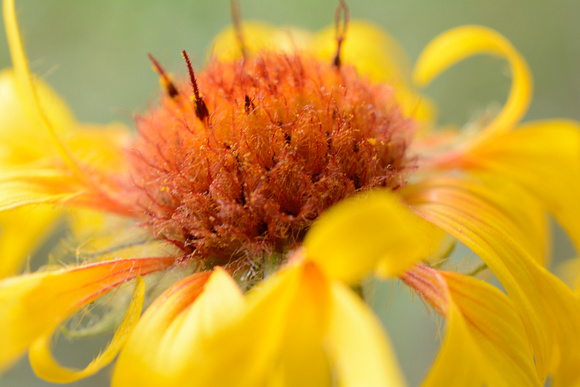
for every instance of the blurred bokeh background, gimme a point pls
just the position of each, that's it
(94, 55)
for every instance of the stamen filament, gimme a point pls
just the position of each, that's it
(200, 109)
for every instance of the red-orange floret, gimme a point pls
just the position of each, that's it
(287, 137)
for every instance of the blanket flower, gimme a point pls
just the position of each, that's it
(259, 194)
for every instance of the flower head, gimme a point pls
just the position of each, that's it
(276, 180)
(286, 137)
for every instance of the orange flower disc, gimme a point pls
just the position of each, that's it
(287, 137)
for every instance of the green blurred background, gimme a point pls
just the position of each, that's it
(94, 54)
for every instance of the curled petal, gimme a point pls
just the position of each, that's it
(485, 341)
(549, 310)
(367, 232)
(462, 42)
(34, 305)
(47, 368)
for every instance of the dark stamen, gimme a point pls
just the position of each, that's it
(200, 109)
(237, 21)
(169, 86)
(248, 105)
(340, 27)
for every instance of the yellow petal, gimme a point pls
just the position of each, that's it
(27, 84)
(25, 186)
(302, 359)
(21, 186)
(254, 334)
(369, 48)
(280, 335)
(370, 231)
(569, 272)
(544, 158)
(101, 148)
(47, 368)
(33, 305)
(485, 341)
(528, 223)
(96, 234)
(22, 232)
(378, 56)
(171, 336)
(462, 42)
(98, 146)
(330, 337)
(28, 155)
(20, 139)
(258, 36)
(549, 310)
(47, 112)
(357, 344)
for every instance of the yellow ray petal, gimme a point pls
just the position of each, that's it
(302, 359)
(528, 223)
(21, 142)
(22, 231)
(101, 148)
(52, 116)
(21, 186)
(330, 337)
(549, 310)
(378, 56)
(47, 368)
(462, 42)
(258, 36)
(28, 155)
(485, 341)
(373, 230)
(357, 344)
(25, 186)
(280, 335)
(34, 305)
(369, 48)
(27, 85)
(252, 332)
(96, 234)
(172, 335)
(544, 157)
(20, 139)
(569, 272)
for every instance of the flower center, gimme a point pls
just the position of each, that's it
(284, 138)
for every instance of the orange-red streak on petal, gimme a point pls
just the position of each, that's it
(34, 305)
(130, 269)
(432, 290)
(549, 310)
